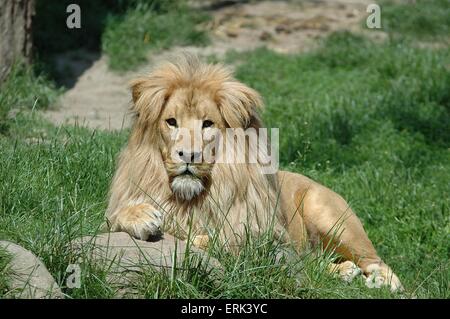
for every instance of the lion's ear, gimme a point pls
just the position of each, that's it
(149, 96)
(239, 104)
(137, 87)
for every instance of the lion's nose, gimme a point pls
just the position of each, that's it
(189, 157)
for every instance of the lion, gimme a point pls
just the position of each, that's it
(163, 183)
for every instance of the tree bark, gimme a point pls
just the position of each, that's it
(15, 33)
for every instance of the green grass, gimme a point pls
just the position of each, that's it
(329, 102)
(369, 121)
(4, 272)
(425, 19)
(24, 89)
(372, 122)
(143, 28)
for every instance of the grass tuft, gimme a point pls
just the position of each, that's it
(5, 259)
(423, 19)
(23, 89)
(128, 38)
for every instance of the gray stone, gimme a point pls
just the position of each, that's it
(123, 257)
(29, 278)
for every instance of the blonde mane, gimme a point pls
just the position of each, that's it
(240, 197)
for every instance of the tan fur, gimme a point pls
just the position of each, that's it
(237, 197)
(329, 220)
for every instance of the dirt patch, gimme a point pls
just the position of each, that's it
(285, 27)
(99, 98)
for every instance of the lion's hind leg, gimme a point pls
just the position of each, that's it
(333, 221)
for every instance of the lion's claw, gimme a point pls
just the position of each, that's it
(142, 221)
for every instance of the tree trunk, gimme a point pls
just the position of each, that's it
(15, 33)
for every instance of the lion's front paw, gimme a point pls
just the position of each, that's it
(142, 221)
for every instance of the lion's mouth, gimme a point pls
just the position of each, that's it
(188, 181)
(187, 170)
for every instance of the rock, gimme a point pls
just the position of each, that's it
(316, 23)
(232, 32)
(30, 278)
(266, 36)
(129, 252)
(125, 256)
(283, 28)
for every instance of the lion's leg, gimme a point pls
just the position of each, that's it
(341, 230)
(141, 221)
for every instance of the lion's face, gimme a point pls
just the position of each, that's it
(189, 124)
(182, 108)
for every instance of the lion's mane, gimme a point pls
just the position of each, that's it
(240, 198)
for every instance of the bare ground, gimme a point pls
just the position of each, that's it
(99, 98)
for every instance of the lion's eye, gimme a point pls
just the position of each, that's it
(171, 122)
(207, 123)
